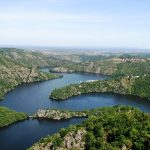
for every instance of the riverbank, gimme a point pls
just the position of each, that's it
(38, 78)
(18, 67)
(24, 75)
(115, 67)
(118, 127)
(131, 85)
(8, 116)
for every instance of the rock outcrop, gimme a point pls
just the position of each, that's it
(61, 70)
(74, 141)
(118, 127)
(71, 141)
(58, 114)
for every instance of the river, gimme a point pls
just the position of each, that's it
(31, 97)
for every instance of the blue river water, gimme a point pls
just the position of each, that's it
(31, 97)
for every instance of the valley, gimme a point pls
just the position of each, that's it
(92, 85)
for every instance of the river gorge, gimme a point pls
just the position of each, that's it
(31, 97)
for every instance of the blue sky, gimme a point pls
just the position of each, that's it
(80, 23)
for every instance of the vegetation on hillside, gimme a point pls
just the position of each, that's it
(108, 128)
(134, 85)
(8, 116)
(113, 128)
(115, 67)
(16, 68)
(132, 69)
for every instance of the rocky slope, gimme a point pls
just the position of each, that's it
(61, 70)
(13, 71)
(115, 67)
(58, 114)
(73, 140)
(13, 75)
(108, 128)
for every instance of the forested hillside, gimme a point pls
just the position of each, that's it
(116, 128)
(109, 128)
(8, 116)
(17, 66)
(115, 67)
(131, 85)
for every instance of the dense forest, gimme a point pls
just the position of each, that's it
(114, 128)
(109, 128)
(131, 85)
(8, 116)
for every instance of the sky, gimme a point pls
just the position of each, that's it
(79, 23)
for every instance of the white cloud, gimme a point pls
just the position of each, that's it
(51, 16)
(30, 24)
